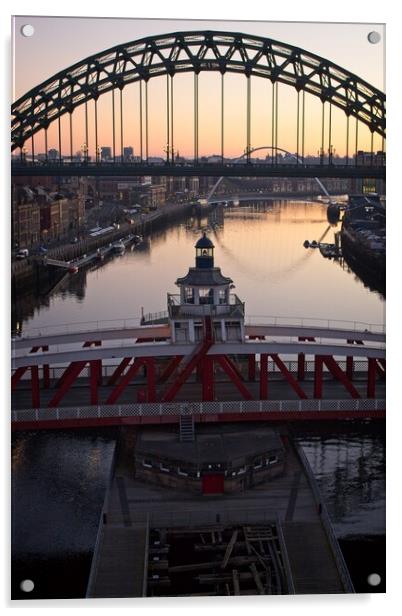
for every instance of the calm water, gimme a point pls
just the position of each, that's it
(59, 477)
(262, 251)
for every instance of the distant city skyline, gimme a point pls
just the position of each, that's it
(49, 50)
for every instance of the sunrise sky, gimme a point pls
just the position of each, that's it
(60, 42)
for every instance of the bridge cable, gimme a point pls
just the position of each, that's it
(330, 134)
(273, 130)
(356, 140)
(121, 124)
(171, 116)
(167, 119)
(141, 152)
(372, 148)
(276, 121)
(195, 117)
(33, 149)
(248, 147)
(96, 131)
(113, 127)
(46, 146)
(297, 139)
(86, 148)
(71, 136)
(222, 115)
(303, 125)
(322, 134)
(347, 140)
(59, 131)
(146, 121)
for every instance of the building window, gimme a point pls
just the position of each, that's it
(147, 463)
(188, 295)
(206, 296)
(273, 460)
(222, 296)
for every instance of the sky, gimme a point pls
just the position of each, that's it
(60, 42)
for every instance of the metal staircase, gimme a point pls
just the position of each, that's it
(187, 433)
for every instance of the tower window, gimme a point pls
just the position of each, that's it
(189, 295)
(206, 296)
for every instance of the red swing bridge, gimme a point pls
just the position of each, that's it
(201, 361)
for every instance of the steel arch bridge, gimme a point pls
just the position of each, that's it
(196, 51)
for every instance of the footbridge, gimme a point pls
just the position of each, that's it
(110, 374)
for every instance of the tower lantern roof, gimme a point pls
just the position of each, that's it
(204, 242)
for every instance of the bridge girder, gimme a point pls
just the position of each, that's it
(195, 52)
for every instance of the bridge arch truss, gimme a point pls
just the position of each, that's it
(195, 51)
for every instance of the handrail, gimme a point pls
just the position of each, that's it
(99, 534)
(159, 409)
(250, 320)
(326, 522)
(285, 557)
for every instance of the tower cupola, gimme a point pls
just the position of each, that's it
(204, 253)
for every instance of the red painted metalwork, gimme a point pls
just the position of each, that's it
(213, 484)
(371, 374)
(68, 378)
(195, 359)
(349, 360)
(301, 359)
(46, 371)
(263, 376)
(339, 374)
(380, 367)
(170, 368)
(318, 364)
(151, 378)
(130, 374)
(288, 376)
(35, 387)
(66, 373)
(251, 367)
(119, 370)
(208, 389)
(16, 377)
(93, 381)
(227, 366)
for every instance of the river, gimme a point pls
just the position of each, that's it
(59, 477)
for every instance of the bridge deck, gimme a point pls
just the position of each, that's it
(288, 498)
(79, 394)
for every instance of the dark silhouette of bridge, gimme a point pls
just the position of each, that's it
(168, 55)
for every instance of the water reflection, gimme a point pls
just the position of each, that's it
(349, 465)
(260, 245)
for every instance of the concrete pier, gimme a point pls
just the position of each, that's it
(290, 502)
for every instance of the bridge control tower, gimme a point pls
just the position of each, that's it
(205, 294)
